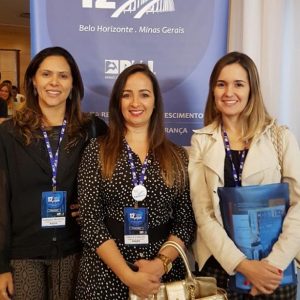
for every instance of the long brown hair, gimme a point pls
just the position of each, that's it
(255, 116)
(164, 151)
(29, 118)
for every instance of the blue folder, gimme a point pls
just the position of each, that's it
(253, 217)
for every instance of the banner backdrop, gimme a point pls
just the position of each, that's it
(180, 40)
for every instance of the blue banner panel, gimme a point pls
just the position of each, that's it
(180, 40)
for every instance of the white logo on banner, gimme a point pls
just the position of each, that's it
(138, 7)
(115, 67)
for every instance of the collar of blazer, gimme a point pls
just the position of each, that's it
(34, 148)
(213, 152)
(211, 148)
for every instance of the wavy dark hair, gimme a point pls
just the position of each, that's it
(165, 152)
(255, 116)
(29, 118)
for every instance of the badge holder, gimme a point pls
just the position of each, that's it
(53, 209)
(54, 203)
(136, 226)
(136, 218)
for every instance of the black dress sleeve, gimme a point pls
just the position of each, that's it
(184, 224)
(92, 209)
(5, 228)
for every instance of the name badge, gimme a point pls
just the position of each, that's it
(53, 212)
(136, 226)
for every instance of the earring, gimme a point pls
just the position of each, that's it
(34, 91)
(70, 96)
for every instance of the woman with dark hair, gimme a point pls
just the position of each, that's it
(40, 149)
(236, 149)
(133, 195)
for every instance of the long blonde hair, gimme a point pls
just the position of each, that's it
(255, 116)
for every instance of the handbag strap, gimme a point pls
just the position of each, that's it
(182, 255)
(277, 138)
(190, 280)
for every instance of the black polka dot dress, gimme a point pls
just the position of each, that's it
(100, 198)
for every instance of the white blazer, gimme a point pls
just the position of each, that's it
(206, 173)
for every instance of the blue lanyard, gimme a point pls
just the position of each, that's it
(236, 177)
(54, 159)
(135, 180)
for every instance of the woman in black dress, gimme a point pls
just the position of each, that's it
(132, 179)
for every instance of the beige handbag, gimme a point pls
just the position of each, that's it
(277, 136)
(192, 288)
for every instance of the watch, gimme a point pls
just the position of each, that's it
(166, 261)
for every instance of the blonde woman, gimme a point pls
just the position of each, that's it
(235, 149)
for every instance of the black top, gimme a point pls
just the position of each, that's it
(25, 173)
(228, 174)
(3, 108)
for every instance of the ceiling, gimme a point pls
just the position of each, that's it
(11, 10)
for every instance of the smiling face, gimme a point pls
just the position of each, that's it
(53, 82)
(232, 91)
(4, 92)
(137, 101)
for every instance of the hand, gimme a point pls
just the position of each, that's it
(264, 277)
(254, 291)
(6, 286)
(75, 212)
(142, 284)
(154, 266)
